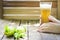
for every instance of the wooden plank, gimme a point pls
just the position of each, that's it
(46, 36)
(1, 9)
(21, 3)
(34, 35)
(54, 12)
(5, 38)
(1, 28)
(32, 22)
(22, 17)
(48, 0)
(21, 11)
(24, 21)
(21, 0)
(54, 0)
(0, 2)
(1, 13)
(59, 9)
(1, 31)
(58, 36)
(54, 4)
(26, 4)
(16, 22)
(29, 0)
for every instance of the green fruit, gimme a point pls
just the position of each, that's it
(9, 34)
(9, 31)
(19, 35)
(25, 27)
(6, 28)
(20, 30)
(22, 35)
(16, 35)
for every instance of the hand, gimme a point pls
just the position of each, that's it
(49, 27)
(53, 26)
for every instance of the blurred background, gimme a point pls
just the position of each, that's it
(22, 11)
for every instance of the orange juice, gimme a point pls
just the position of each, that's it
(45, 12)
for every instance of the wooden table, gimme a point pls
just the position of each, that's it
(32, 34)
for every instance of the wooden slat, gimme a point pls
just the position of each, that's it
(29, 0)
(58, 37)
(21, 15)
(58, 9)
(48, 0)
(21, 0)
(22, 18)
(21, 11)
(16, 22)
(25, 4)
(54, 4)
(1, 31)
(24, 21)
(21, 4)
(1, 14)
(34, 21)
(33, 34)
(30, 21)
(5, 38)
(54, 12)
(21, 7)
(0, 2)
(46, 36)
(54, 0)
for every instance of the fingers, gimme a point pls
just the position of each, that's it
(49, 27)
(42, 28)
(45, 27)
(40, 16)
(51, 19)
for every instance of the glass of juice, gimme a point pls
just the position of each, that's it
(45, 9)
